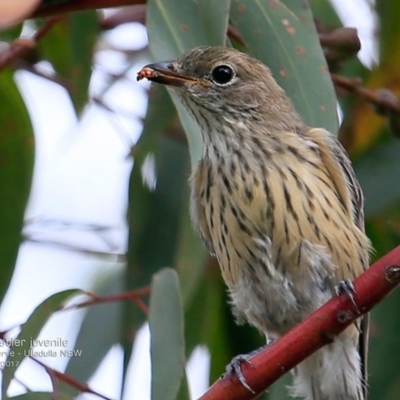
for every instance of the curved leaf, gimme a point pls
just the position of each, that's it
(154, 213)
(215, 17)
(30, 331)
(365, 125)
(322, 10)
(378, 175)
(288, 44)
(167, 344)
(103, 322)
(16, 166)
(174, 27)
(69, 47)
(190, 257)
(383, 367)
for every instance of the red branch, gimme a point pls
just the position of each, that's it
(69, 380)
(133, 295)
(54, 8)
(319, 329)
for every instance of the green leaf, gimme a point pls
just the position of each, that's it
(389, 31)
(383, 367)
(159, 116)
(102, 322)
(323, 11)
(378, 175)
(190, 256)
(16, 166)
(11, 33)
(215, 17)
(288, 44)
(191, 128)
(207, 311)
(30, 331)
(154, 213)
(69, 47)
(167, 344)
(174, 27)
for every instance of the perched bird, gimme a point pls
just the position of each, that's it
(279, 206)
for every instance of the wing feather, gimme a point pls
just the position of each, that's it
(339, 166)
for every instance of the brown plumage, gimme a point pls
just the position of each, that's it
(279, 206)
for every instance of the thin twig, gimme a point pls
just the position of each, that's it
(133, 295)
(21, 46)
(53, 8)
(82, 387)
(384, 99)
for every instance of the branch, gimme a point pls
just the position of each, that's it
(319, 329)
(69, 380)
(62, 7)
(384, 100)
(134, 296)
(21, 46)
(136, 13)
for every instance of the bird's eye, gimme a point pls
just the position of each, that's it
(222, 74)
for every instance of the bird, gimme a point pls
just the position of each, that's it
(278, 204)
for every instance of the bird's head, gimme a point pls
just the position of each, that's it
(215, 82)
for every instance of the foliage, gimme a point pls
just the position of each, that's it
(283, 35)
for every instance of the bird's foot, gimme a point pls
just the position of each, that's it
(234, 367)
(346, 286)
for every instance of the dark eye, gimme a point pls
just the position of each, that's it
(222, 74)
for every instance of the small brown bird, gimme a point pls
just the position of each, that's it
(278, 204)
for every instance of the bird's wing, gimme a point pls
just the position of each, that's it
(356, 194)
(339, 166)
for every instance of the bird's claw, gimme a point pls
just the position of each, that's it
(346, 286)
(234, 367)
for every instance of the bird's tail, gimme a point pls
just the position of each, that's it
(332, 373)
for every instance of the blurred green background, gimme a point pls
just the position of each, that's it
(160, 230)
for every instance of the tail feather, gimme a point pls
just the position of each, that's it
(333, 372)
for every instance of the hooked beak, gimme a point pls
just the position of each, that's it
(164, 72)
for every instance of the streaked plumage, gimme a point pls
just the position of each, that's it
(279, 206)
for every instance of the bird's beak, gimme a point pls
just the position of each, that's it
(164, 72)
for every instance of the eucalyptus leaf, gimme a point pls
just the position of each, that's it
(154, 212)
(190, 257)
(69, 47)
(30, 330)
(378, 175)
(16, 166)
(289, 46)
(167, 344)
(102, 322)
(174, 27)
(215, 17)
